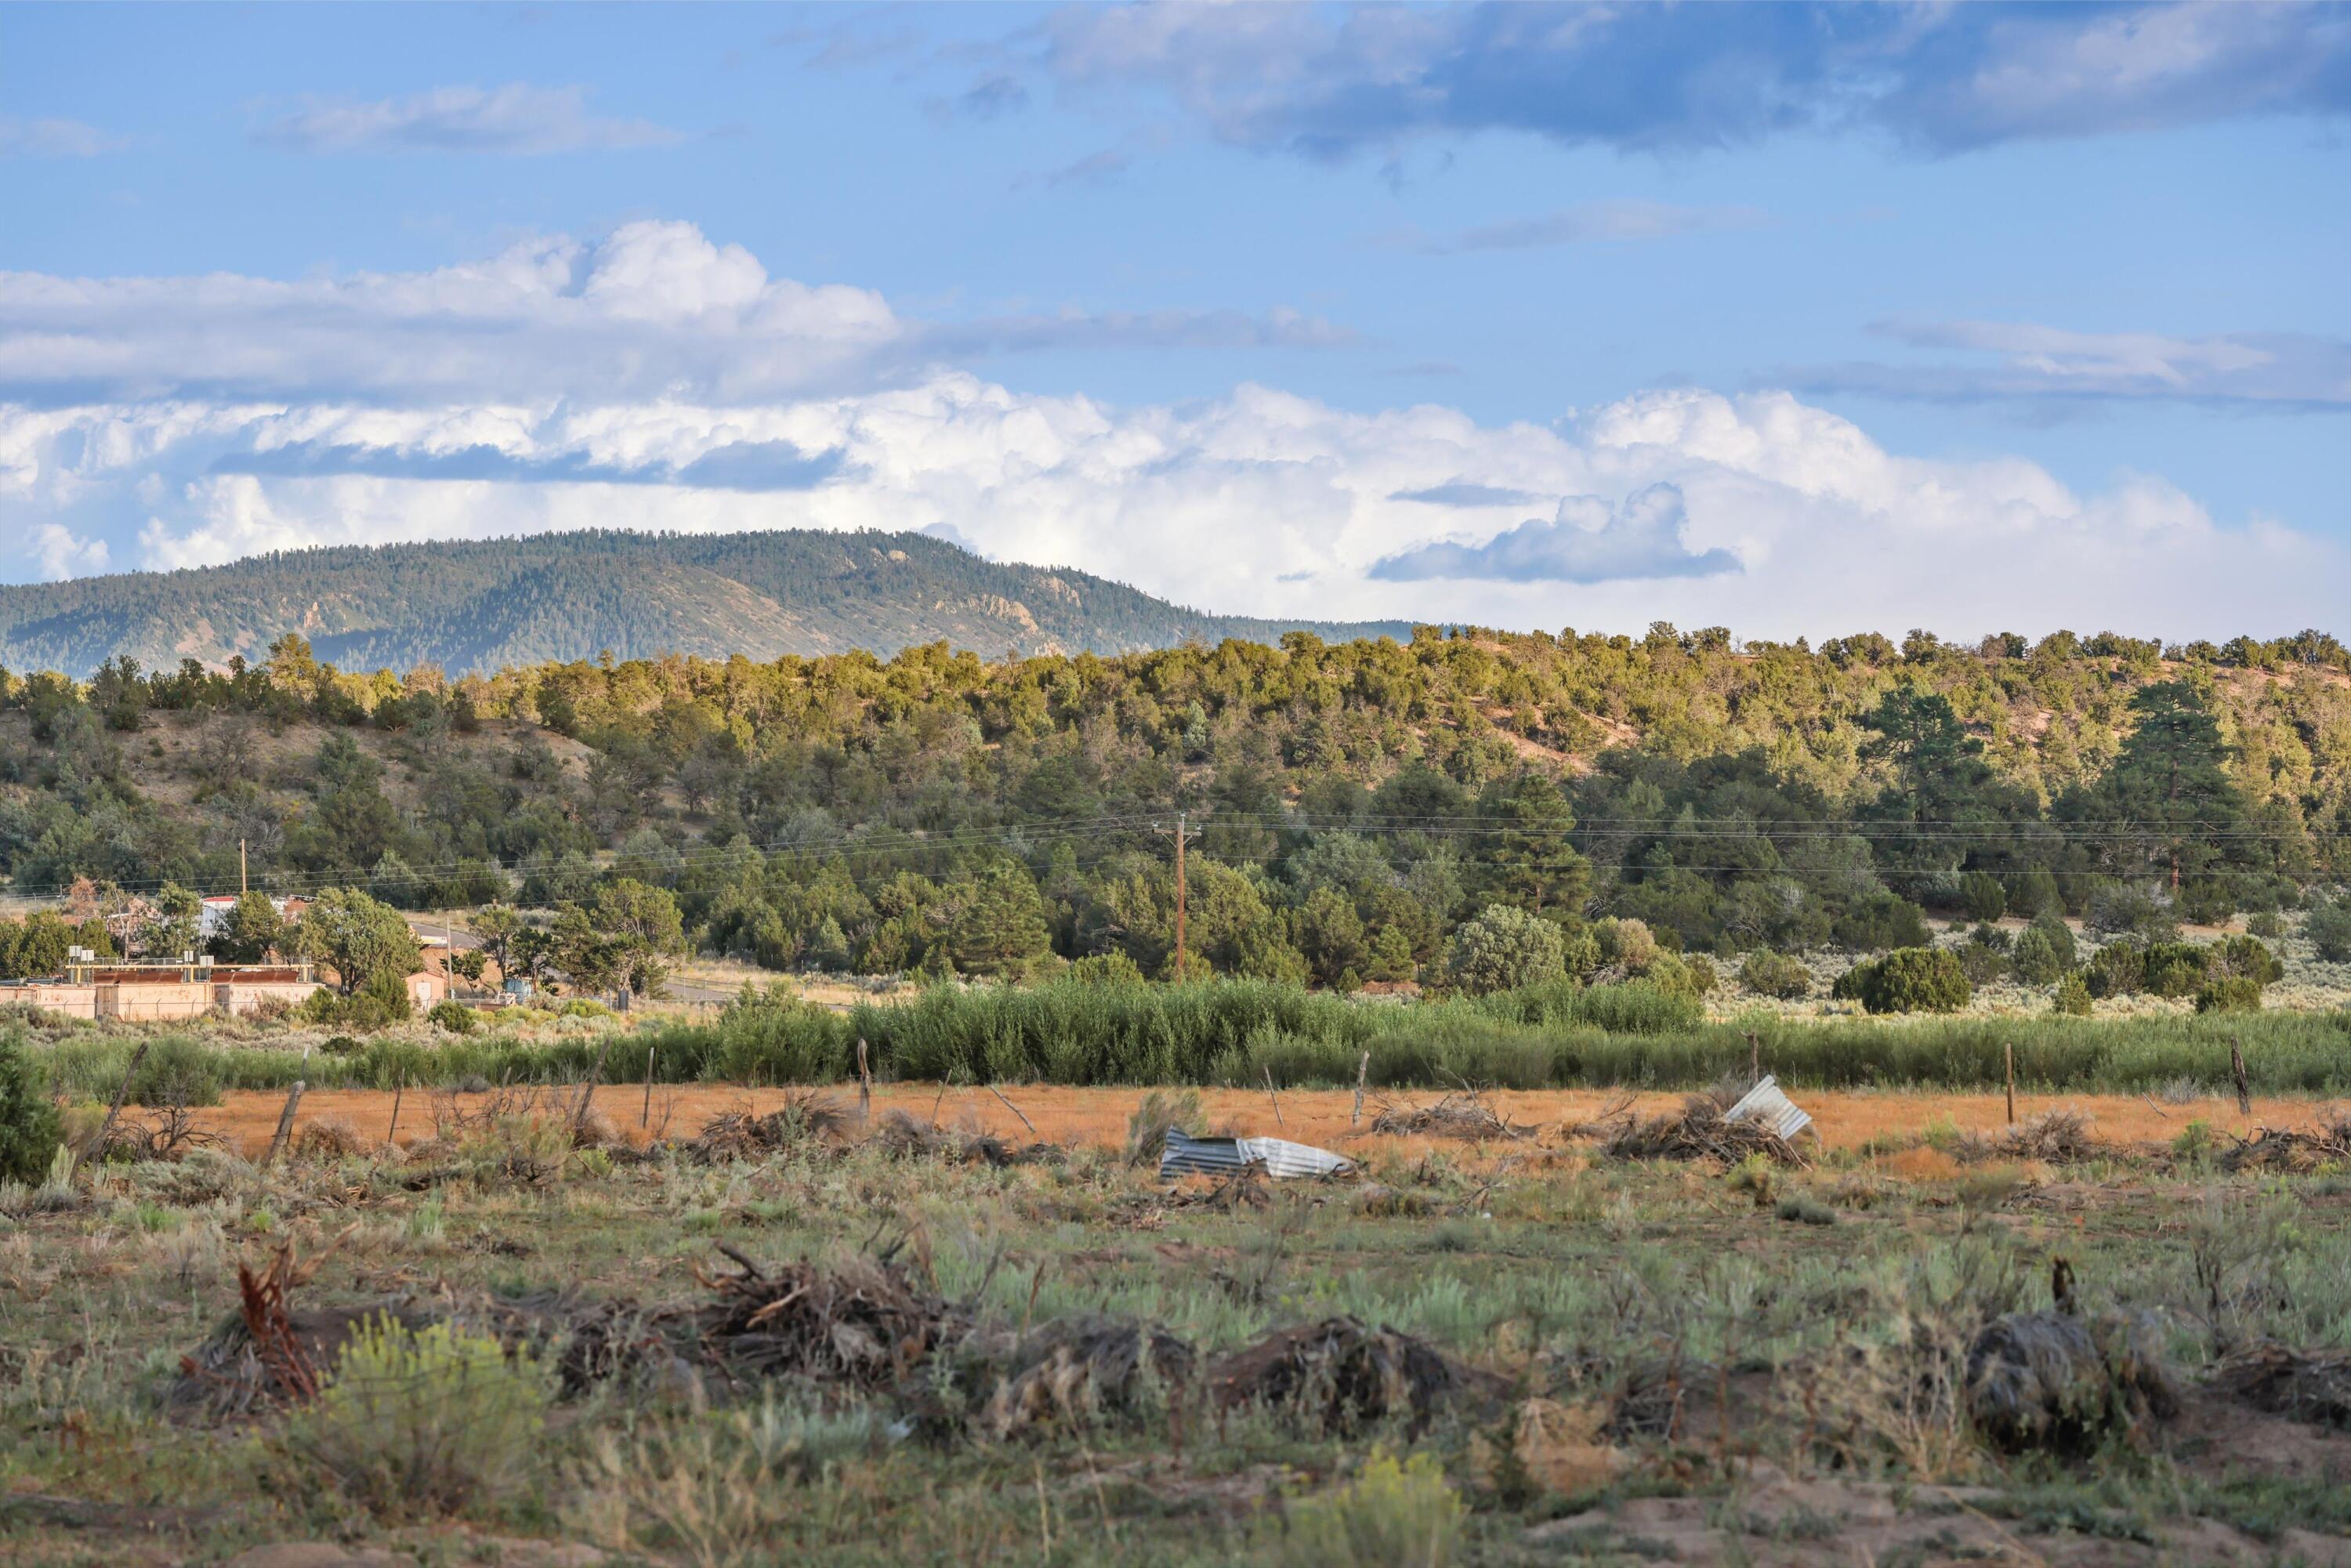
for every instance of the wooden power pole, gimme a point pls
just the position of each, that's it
(1183, 830)
(242, 887)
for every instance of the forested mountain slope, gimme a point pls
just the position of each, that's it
(481, 604)
(1361, 804)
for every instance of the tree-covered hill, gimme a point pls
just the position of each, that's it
(481, 604)
(1371, 810)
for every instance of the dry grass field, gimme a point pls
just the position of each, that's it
(1539, 1327)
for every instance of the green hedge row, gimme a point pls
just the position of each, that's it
(1229, 1031)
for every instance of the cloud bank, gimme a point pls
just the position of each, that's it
(2030, 361)
(517, 117)
(1588, 541)
(657, 379)
(1330, 83)
(654, 309)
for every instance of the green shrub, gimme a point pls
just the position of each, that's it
(582, 1008)
(1910, 980)
(1401, 1514)
(2229, 994)
(1981, 961)
(2266, 925)
(1981, 896)
(2073, 998)
(1637, 1007)
(177, 1071)
(1162, 1110)
(2034, 893)
(2044, 950)
(1880, 921)
(29, 1131)
(1804, 1209)
(2196, 1141)
(2248, 957)
(1505, 949)
(2115, 909)
(2328, 926)
(381, 1001)
(1703, 977)
(1770, 974)
(2175, 968)
(420, 1423)
(1112, 968)
(452, 1017)
(2116, 969)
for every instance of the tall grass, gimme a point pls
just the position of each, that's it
(1230, 1031)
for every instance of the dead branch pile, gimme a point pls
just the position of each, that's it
(864, 1321)
(267, 1354)
(171, 1133)
(1248, 1187)
(2055, 1137)
(2290, 1152)
(1699, 1133)
(902, 1136)
(2057, 1381)
(1459, 1115)
(2306, 1385)
(801, 1120)
(328, 1138)
(458, 1112)
(1076, 1369)
(1341, 1375)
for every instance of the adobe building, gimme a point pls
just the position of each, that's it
(161, 993)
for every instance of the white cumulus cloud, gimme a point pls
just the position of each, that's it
(657, 379)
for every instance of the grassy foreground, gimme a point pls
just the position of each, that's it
(1594, 1361)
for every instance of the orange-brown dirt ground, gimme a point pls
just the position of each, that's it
(1099, 1116)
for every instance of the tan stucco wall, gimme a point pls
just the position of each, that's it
(142, 1003)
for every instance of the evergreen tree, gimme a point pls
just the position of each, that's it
(1000, 926)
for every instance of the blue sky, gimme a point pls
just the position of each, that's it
(1756, 314)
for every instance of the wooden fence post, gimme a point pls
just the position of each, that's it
(1016, 1110)
(646, 1111)
(864, 1087)
(2236, 1070)
(284, 1126)
(1276, 1099)
(2008, 1054)
(588, 1094)
(399, 1087)
(122, 1092)
(1362, 1071)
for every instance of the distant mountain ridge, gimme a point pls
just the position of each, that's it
(477, 604)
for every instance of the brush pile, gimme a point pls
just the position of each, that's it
(269, 1354)
(864, 1321)
(2060, 1383)
(2056, 1137)
(2305, 1386)
(273, 1353)
(1340, 1375)
(902, 1136)
(1459, 1115)
(2287, 1152)
(1077, 1369)
(1248, 1187)
(803, 1119)
(1699, 1133)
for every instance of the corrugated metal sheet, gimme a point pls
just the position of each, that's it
(1221, 1156)
(1766, 1106)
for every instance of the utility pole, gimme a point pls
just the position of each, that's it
(1183, 830)
(240, 888)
